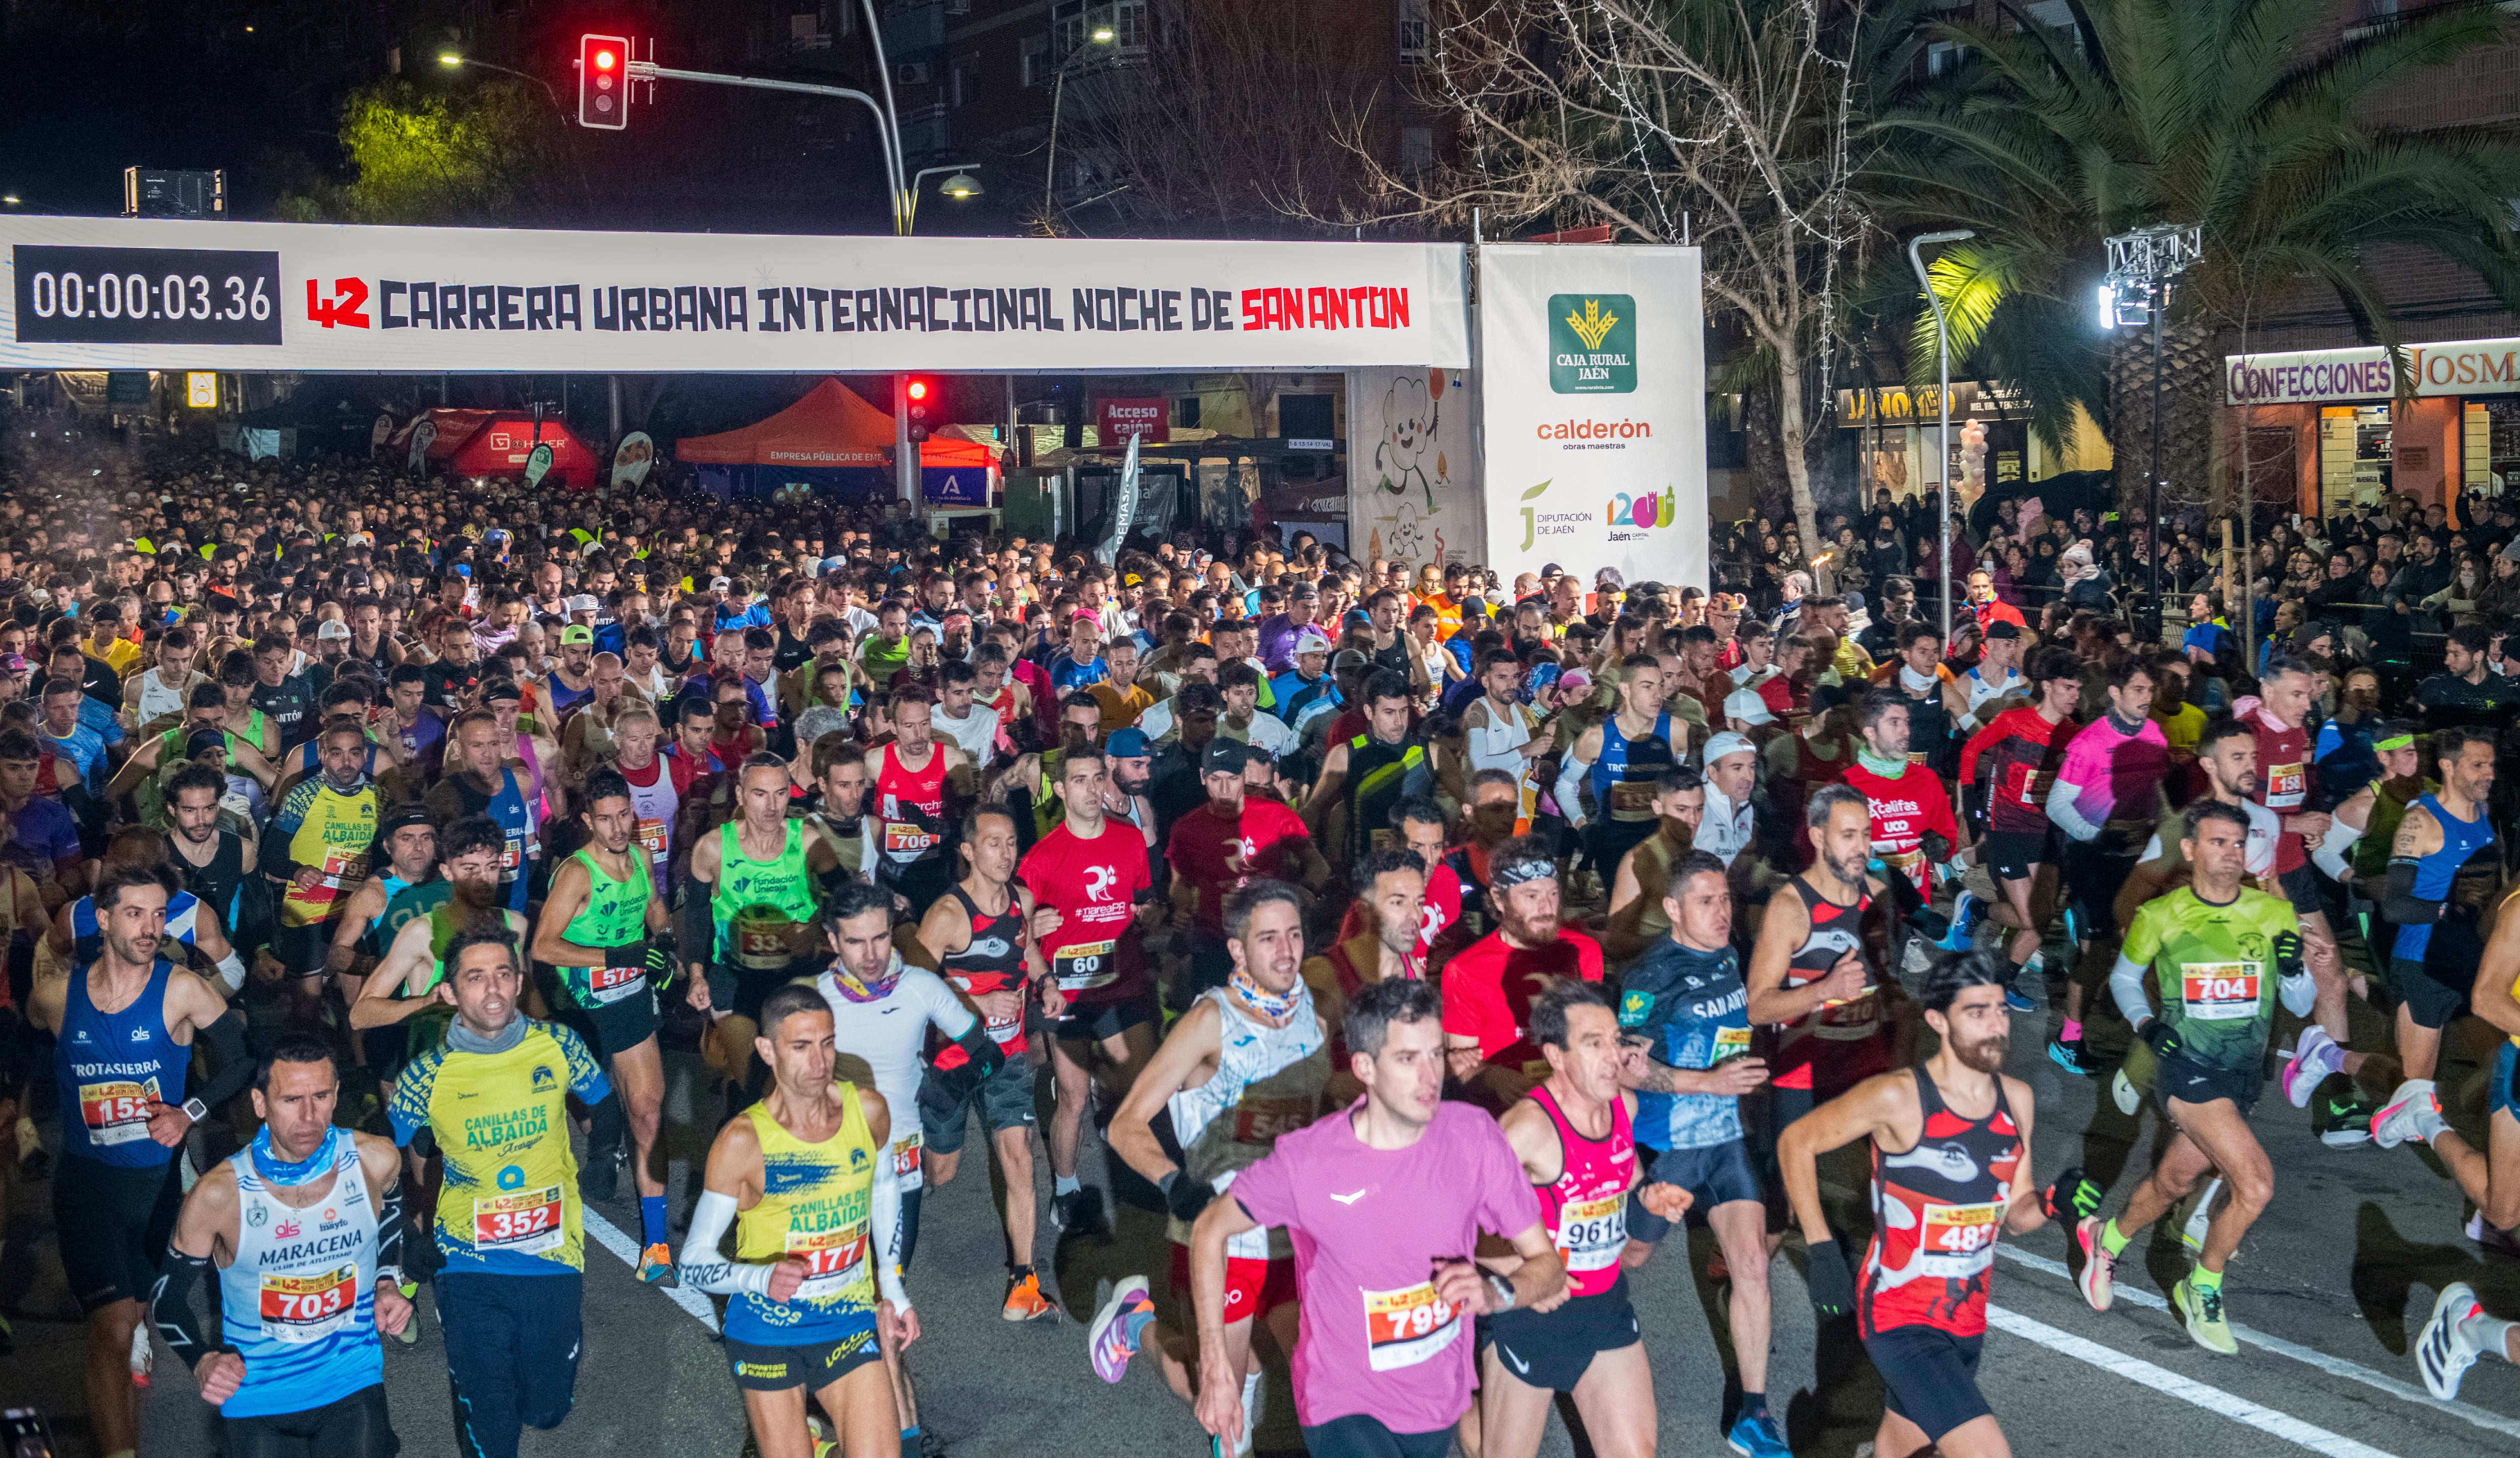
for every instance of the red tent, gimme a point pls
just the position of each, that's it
(833, 425)
(454, 427)
(500, 445)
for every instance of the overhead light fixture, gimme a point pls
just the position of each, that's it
(959, 185)
(449, 58)
(1103, 36)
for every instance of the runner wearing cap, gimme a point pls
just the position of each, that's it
(1725, 826)
(1306, 684)
(1490, 986)
(572, 681)
(1219, 847)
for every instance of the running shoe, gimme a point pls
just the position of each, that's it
(2071, 1057)
(1755, 1436)
(656, 1265)
(2207, 1326)
(2443, 1353)
(1108, 1341)
(2404, 1116)
(2314, 1058)
(2496, 1240)
(2342, 1122)
(143, 1355)
(1024, 1300)
(2100, 1268)
(2016, 999)
(1964, 914)
(1078, 1211)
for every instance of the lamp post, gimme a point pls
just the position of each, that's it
(457, 61)
(2144, 265)
(958, 186)
(1101, 36)
(1943, 353)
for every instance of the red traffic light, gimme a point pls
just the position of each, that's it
(918, 390)
(604, 59)
(916, 395)
(602, 100)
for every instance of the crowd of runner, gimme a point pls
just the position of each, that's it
(1427, 947)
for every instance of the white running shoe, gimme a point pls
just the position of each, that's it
(2443, 1353)
(2405, 1116)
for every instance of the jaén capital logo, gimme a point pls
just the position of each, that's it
(1592, 344)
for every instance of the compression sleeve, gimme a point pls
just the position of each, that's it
(700, 932)
(235, 1063)
(1569, 790)
(886, 1215)
(2125, 984)
(390, 1233)
(172, 1302)
(2063, 809)
(701, 1264)
(2332, 848)
(232, 971)
(2399, 901)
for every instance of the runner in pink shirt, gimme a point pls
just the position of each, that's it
(1383, 1203)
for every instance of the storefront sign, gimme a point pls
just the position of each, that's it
(1595, 410)
(135, 292)
(1897, 405)
(1145, 418)
(2321, 377)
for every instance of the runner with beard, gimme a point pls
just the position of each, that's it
(750, 913)
(2022, 750)
(913, 778)
(1951, 1177)
(1809, 979)
(2445, 864)
(2218, 950)
(316, 845)
(212, 860)
(1575, 1139)
(1093, 899)
(1635, 920)
(122, 1028)
(600, 929)
(1244, 1067)
(1488, 988)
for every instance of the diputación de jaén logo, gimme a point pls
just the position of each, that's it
(1626, 518)
(1592, 343)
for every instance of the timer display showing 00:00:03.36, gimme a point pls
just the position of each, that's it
(132, 296)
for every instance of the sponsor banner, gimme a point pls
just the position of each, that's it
(1148, 417)
(1595, 410)
(1411, 464)
(135, 292)
(2317, 377)
(632, 458)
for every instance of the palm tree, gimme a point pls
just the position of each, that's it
(2047, 139)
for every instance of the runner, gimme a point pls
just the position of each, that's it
(1573, 1135)
(600, 929)
(1092, 895)
(1488, 988)
(1381, 1203)
(1615, 761)
(1217, 849)
(913, 778)
(298, 1370)
(420, 922)
(652, 792)
(1951, 1176)
(1364, 776)
(317, 843)
(2106, 798)
(2022, 750)
(483, 785)
(493, 1101)
(1913, 832)
(749, 914)
(2445, 866)
(2217, 950)
(1243, 1069)
(1388, 941)
(124, 1026)
(1636, 922)
(407, 838)
(975, 936)
(1810, 979)
(809, 1286)
(1686, 1009)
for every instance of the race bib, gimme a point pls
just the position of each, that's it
(1849, 1022)
(1730, 1043)
(764, 944)
(1631, 797)
(2025, 784)
(308, 1308)
(905, 842)
(652, 834)
(1085, 966)
(1957, 1241)
(116, 1113)
(1258, 1120)
(524, 1222)
(2220, 991)
(905, 1154)
(2286, 786)
(1406, 1327)
(1591, 1233)
(611, 984)
(512, 857)
(835, 1262)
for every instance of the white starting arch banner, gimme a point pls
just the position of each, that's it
(129, 293)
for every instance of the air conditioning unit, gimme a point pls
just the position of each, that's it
(910, 73)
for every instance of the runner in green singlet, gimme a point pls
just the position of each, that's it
(2216, 950)
(594, 929)
(750, 917)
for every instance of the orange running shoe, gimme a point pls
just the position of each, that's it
(1025, 1302)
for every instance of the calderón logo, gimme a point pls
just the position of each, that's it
(1592, 343)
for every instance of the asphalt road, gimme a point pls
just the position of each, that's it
(2331, 1288)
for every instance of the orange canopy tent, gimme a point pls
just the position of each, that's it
(832, 426)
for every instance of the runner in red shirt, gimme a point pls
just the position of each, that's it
(1092, 888)
(1488, 988)
(2288, 784)
(1218, 848)
(1912, 830)
(2023, 748)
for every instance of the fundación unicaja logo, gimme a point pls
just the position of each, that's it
(1592, 344)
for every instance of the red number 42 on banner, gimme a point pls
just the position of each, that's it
(343, 310)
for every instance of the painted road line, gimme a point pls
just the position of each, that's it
(609, 1237)
(2162, 1379)
(2334, 1366)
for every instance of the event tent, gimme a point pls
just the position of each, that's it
(500, 445)
(832, 427)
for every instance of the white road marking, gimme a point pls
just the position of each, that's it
(2161, 1380)
(2333, 1366)
(611, 1237)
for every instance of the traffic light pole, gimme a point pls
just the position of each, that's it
(905, 456)
(889, 142)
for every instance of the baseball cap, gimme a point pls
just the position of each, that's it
(1127, 744)
(1351, 658)
(577, 632)
(2003, 627)
(500, 688)
(720, 584)
(1311, 642)
(1747, 706)
(1729, 743)
(14, 663)
(583, 602)
(332, 627)
(1223, 756)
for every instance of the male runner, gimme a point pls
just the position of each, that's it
(2107, 797)
(2217, 949)
(494, 1099)
(913, 778)
(2022, 750)
(597, 929)
(1913, 832)
(1093, 899)
(420, 922)
(1364, 777)
(1951, 1175)
(317, 843)
(802, 1179)
(1616, 762)
(750, 913)
(1244, 1067)
(2227, 757)
(1573, 1135)
(2288, 784)
(653, 791)
(1635, 922)
(1809, 977)
(484, 784)
(1488, 988)
(298, 1370)
(1687, 1010)
(123, 1030)
(975, 937)
(1388, 918)
(2445, 866)
(407, 840)
(1383, 1204)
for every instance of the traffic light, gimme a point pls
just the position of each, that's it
(604, 82)
(924, 403)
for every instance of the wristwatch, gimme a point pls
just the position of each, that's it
(195, 1111)
(1503, 1291)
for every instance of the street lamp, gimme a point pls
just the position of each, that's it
(1101, 36)
(1942, 351)
(2143, 266)
(457, 59)
(959, 186)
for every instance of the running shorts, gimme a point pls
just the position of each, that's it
(352, 1427)
(1005, 1102)
(1714, 1174)
(1095, 1021)
(2191, 1082)
(1929, 1377)
(2017, 855)
(2432, 1002)
(302, 950)
(2301, 887)
(1553, 1350)
(2501, 1096)
(619, 1026)
(1252, 1288)
(113, 1222)
(814, 1367)
(1357, 1436)
(2093, 877)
